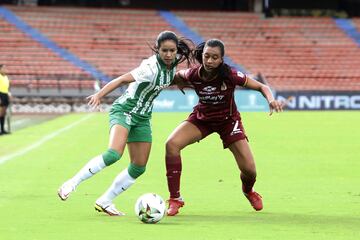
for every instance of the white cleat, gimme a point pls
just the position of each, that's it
(65, 190)
(109, 209)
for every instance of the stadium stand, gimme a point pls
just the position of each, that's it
(356, 22)
(314, 55)
(32, 66)
(112, 40)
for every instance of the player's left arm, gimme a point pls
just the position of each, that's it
(274, 104)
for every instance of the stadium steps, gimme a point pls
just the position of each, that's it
(356, 22)
(27, 60)
(114, 41)
(314, 55)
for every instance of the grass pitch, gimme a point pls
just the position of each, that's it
(308, 174)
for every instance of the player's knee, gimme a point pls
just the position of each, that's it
(136, 171)
(249, 172)
(172, 147)
(110, 156)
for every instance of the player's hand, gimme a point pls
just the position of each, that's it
(279, 106)
(94, 101)
(276, 106)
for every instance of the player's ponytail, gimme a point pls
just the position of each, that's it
(198, 52)
(185, 49)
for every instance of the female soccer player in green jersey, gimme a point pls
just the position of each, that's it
(130, 118)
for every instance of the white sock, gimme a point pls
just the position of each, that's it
(122, 182)
(94, 166)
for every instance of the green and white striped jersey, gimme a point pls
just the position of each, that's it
(150, 78)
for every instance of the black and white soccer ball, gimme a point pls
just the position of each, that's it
(150, 208)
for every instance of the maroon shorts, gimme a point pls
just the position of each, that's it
(230, 130)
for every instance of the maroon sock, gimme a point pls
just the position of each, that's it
(247, 182)
(173, 173)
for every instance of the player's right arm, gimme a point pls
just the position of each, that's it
(181, 80)
(94, 100)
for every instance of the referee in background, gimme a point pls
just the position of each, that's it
(4, 97)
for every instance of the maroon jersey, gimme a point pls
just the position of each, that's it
(216, 97)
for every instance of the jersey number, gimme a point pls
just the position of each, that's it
(236, 127)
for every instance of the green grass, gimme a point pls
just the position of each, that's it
(20, 121)
(308, 174)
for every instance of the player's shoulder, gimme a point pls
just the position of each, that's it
(237, 77)
(146, 71)
(149, 64)
(192, 71)
(236, 73)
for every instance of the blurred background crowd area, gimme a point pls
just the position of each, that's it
(63, 49)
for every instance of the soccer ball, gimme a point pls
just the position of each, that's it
(150, 208)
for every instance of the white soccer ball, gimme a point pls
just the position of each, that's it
(150, 208)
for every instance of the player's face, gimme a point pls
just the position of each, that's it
(167, 51)
(211, 58)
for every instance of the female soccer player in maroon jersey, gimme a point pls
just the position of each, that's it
(214, 82)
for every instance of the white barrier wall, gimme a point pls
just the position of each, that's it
(247, 101)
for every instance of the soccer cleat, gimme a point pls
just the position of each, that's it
(110, 210)
(174, 205)
(65, 190)
(255, 200)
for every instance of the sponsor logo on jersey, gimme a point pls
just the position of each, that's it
(209, 89)
(161, 87)
(212, 99)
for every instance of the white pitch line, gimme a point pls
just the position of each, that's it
(42, 141)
